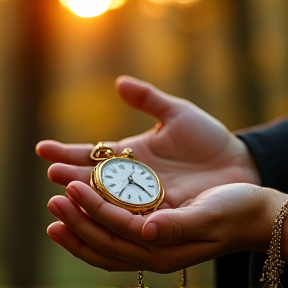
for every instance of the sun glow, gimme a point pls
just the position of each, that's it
(87, 8)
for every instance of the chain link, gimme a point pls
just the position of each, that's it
(140, 279)
(182, 279)
(274, 264)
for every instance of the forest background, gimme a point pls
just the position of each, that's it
(57, 72)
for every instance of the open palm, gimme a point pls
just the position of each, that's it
(189, 150)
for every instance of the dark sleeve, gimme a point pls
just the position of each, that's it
(269, 146)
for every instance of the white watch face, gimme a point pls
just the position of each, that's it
(130, 181)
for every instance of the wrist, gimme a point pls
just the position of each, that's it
(267, 203)
(274, 202)
(249, 169)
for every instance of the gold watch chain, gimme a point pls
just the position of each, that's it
(140, 279)
(183, 278)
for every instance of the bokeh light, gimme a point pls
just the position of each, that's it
(181, 2)
(93, 8)
(87, 8)
(117, 4)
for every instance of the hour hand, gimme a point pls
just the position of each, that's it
(120, 193)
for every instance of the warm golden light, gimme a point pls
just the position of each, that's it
(117, 4)
(181, 2)
(87, 8)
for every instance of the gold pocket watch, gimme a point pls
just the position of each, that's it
(127, 183)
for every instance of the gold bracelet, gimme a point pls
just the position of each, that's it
(274, 264)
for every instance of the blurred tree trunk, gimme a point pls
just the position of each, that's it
(251, 93)
(24, 89)
(269, 50)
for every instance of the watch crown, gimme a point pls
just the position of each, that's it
(128, 153)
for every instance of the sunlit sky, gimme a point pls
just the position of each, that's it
(91, 8)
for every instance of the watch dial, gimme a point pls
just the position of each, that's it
(130, 181)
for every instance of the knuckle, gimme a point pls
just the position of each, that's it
(124, 231)
(76, 225)
(107, 250)
(215, 216)
(94, 211)
(215, 223)
(177, 232)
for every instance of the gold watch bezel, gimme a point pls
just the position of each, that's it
(97, 184)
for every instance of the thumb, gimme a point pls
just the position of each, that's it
(176, 226)
(147, 98)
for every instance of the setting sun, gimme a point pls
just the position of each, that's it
(87, 8)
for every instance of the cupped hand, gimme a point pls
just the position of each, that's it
(221, 220)
(189, 150)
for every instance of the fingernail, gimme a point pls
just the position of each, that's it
(73, 193)
(55, 238)
(150, 232)
(55, 209)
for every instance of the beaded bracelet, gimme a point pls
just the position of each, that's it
(274, 264)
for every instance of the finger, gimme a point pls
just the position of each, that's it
(61, 234)
(75, 154)
(180, 226)
(145, 97)
(53, 151)
(63, 174)
(95, 235)
(105, 247)
(120, 221)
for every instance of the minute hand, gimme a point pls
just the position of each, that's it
(133, 182)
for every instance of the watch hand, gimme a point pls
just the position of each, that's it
(133, 182)
(120, 193)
